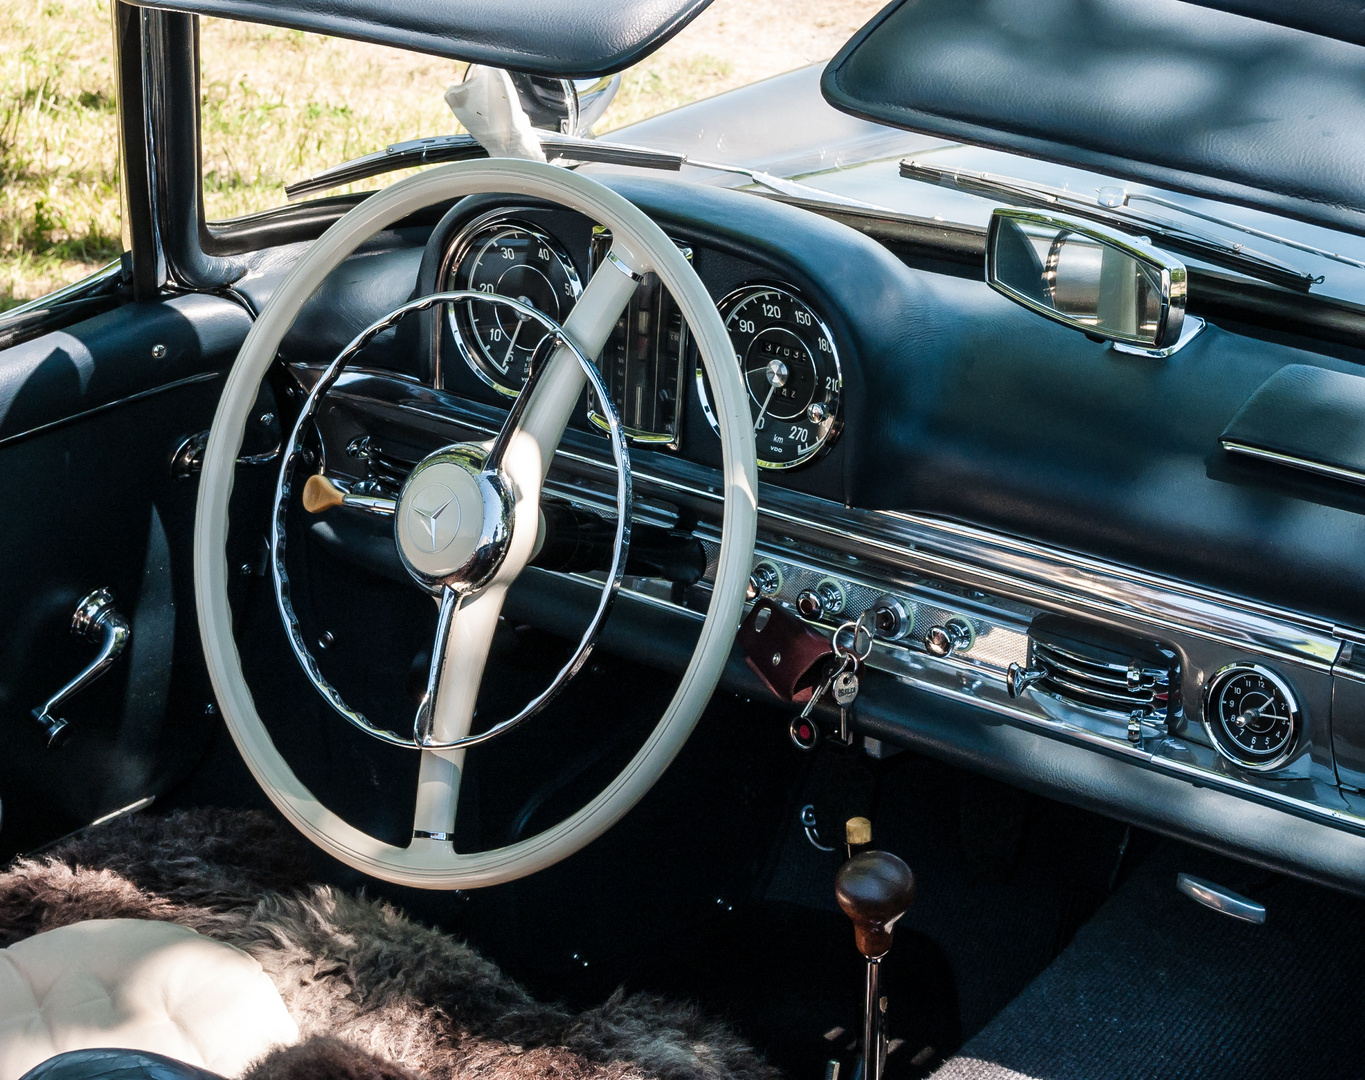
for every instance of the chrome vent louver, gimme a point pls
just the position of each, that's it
(1124, 676)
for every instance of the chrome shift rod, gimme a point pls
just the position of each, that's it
(874, 889)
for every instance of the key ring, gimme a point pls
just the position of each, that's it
(854, 628)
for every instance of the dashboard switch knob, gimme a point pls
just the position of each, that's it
(1018, 679)
(765, 580)
(827, 598)
(953, 635)
(891, 618)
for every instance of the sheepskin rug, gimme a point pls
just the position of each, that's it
(375, 995)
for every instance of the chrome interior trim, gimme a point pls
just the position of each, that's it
(189, 380)
(1021, 570)
(75, 291)
(1003, 580)
(1222, 900)
(1334, 472)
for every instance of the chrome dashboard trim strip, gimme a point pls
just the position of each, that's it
(1293, 461)
(1021, 570)
(1010, 568)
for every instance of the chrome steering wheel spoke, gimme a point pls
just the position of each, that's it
(500, 486)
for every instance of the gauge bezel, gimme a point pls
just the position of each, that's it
(1214, 685)
(459, 247)
(836, 426)
(653, 440)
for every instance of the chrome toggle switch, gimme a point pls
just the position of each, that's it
(765, 580)
(953, 635)
(827, 598)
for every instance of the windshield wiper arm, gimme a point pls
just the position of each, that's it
(1176, 237)
(440, 148)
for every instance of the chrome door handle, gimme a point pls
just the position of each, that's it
(98, 621)
(1220, 899)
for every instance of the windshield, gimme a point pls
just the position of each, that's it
(281, 105)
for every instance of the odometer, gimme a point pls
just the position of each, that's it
(510, 258)
(1251, 715)
(790, 367)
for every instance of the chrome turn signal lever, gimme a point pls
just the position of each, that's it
(98, 621)
(1018, 679)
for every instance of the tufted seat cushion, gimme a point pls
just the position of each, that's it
(136, 984)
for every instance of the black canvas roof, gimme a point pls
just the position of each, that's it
(572, 38)
(1160, 91)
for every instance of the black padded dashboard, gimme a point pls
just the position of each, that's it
(990, 465)
(960, 404)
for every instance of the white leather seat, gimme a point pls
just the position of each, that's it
(138, 985)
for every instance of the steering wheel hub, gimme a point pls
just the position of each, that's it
(454, 520)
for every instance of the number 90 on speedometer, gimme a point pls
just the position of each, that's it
(790, 368)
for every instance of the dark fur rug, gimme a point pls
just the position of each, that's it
(375, 995)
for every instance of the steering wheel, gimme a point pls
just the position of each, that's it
(497, 496)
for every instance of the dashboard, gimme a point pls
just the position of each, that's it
(1071, 589)
(788, 356)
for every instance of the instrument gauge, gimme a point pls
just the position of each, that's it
(503, 255)
(1252, 716)
(790, 367)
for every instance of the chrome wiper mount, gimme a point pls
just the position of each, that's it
(440, 148)
(1116, 213)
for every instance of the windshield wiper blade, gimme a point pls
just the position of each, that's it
(1174, 236)
(441, 148)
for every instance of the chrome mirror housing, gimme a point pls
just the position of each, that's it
(565, 106)
(1101, 282)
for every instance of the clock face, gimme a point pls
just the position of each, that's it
(1252, 715)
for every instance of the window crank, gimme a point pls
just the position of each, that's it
(97, 620)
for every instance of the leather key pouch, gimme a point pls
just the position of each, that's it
(782, 650)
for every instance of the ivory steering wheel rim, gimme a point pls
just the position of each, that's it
(639, 246)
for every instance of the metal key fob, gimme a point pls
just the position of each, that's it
(845, 688)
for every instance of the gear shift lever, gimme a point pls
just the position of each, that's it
(874, 889)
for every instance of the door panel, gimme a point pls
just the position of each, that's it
(90, 417)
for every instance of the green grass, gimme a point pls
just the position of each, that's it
(59, 215)
(277, 106)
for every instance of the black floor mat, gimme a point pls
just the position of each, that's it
(1157, 986)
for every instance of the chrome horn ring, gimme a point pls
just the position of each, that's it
(452, 587)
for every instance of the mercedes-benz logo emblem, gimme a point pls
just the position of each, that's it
(433, 518)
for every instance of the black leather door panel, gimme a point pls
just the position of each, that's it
(89, 419)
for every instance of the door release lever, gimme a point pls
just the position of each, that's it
(98, 621)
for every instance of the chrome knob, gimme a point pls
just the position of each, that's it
(765, 580)
(827, 598)
(953, 635)
(891, 618)
(1019, 679)
(818, 412)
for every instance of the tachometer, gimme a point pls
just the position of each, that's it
(790, 366)
(1251, 715)
(506, 256)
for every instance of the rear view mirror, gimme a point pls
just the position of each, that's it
(1103, 283)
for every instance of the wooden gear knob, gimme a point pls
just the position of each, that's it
(874, 889)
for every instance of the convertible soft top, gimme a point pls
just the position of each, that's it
(1159, 91)
(569, 38)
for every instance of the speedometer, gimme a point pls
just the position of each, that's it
(790, 367)
(511, 258)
